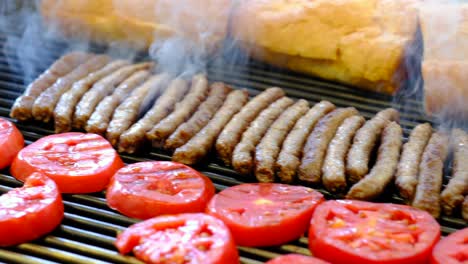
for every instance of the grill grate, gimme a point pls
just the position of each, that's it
(89, 228)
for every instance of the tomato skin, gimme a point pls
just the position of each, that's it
(148, 189)
(452, 249)
(11, 142)
(265, 214)
(77, 162)
(334, 237)
(296, 259)
(43, 202)
(173, 238)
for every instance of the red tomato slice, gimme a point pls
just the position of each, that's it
(265, 214)
(358, 232)
(452, 249)
(11, 142)
(77, 162)
(31, 211)
(296, 259)
(183, 238)
(147, 189)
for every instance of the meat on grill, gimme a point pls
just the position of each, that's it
(269, 147)
(465, 209)
(129, 110)
(242, 157)
(200, 118)
(317, 143)
(44, 105)
(134, 137)
(364, 142)
(63, 112)
(427, 196)
(232, 133)
(102, 115)
(85, 108)
(22, 107)
(198, 146)
(290, 155)
(374, 183)
(408, 167)
(334, 168)
(183, 111)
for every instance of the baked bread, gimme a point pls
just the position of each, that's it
(445, 63)
(140, 22)
(358, 42)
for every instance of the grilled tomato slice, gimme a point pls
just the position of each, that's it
(296, 259)
(356, 232)
(11, 142)
(452, 249)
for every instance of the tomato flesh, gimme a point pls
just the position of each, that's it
(77, 162)
(452, 249)
(362, 232)
(147, 189)
(11, 142)
(182, 239)
(265, 214)
(296, 259)
(31, 211)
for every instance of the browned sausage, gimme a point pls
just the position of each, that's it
(242, 157)
(270, 146)
(455, 191)
(334, 175)
(465, 209)
(315, 149)
(22, 108)
(198, 146)
(290, 156)
(364, 142)
(408, 168)
(374, 183)
(427, 196)
(232, 133)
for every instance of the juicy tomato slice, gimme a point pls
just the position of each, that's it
(147, 189)
(296, 259)
(265, 214)
(363, 232)
(452, 249)
(183, 238)
(11, 142)
(31, 211)
(77, 162)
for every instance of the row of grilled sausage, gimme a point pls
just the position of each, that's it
(269, 136)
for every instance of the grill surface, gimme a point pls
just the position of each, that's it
(89, 228)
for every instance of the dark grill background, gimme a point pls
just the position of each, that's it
(89, 228)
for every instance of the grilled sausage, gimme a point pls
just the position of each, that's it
(408, 167)
(132, 139)
(290, 156)
(127, 112)
(63, 112)
(200, 118)
(315, 149)
(45, 104)
(85, 108)
(270, 146)
(465, 209)
(102, 115)
(334, 175)
(22, 108)
(183, 110)
(374, 183)
(427, 196)
(242, 157)
(198, 146)
(364, 142)
(232, 133)
(457, 188)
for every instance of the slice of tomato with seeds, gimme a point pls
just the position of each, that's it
(452, 249)
(11, 142)
(296, 259)
(356, 232)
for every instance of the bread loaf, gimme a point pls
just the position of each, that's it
(358, 42)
